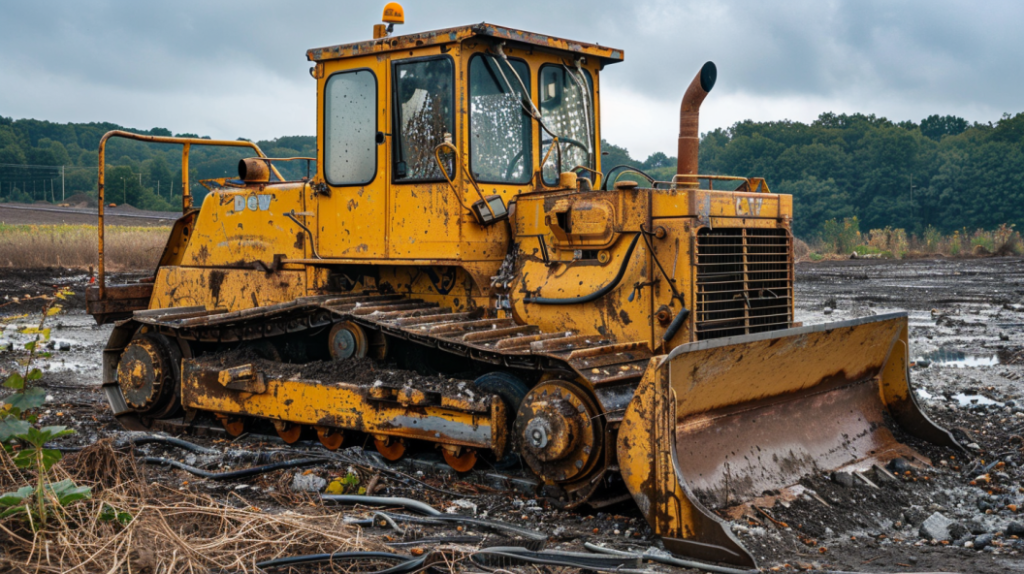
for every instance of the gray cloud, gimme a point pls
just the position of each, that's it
(232, 69)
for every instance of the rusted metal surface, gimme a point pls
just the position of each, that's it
(689, 129)
(561, 431)
(454, 35)
(646, 457)
(290, 402)
(599, 360)
(120, 301)
(728, 419)
(609, 370)
(186, 197)
(807, 400)
(252, 170)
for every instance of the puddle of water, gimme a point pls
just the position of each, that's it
(923, 394)
(966, 400)
(952, 358)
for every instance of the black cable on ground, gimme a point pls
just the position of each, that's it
(406, 566)
(534, 540)
(507, 555)
(406, 503)
(437, 540)
(670, 560)
(320, 558)
(233, 474)
(171, 441)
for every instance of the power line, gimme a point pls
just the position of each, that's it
(27, 165)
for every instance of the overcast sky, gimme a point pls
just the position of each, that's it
(238, 69)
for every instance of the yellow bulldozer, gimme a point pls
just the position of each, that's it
(622, 335)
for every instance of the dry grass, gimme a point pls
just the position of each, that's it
(170, 531)
(75, 246)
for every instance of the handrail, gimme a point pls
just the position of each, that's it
(447, 143)
(186, 197)
(753, 183)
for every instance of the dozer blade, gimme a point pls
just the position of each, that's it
(720, 422)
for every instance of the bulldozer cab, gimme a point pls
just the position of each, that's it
(427, 138)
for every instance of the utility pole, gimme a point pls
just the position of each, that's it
(124, 191)
(62, 184)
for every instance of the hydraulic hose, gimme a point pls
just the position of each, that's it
(233, 474)
(676, 324)
(608, 175)
(596, 294)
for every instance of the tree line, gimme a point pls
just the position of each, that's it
(943, 172)
(144, 175)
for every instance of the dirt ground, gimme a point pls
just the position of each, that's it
(967, 342)
(49, 214)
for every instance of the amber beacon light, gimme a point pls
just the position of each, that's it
(393, 14)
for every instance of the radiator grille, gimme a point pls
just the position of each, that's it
(744, 281)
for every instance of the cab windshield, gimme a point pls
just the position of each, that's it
(567, 110)
(499, 126)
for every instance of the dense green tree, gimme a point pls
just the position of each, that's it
(613, 155)
(936, 126)
(157, 176)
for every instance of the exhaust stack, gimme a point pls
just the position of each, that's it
(689, 115)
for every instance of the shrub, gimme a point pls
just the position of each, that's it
(841, 237)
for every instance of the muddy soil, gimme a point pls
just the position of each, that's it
(967, 342)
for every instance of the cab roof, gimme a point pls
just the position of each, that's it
(452, 35)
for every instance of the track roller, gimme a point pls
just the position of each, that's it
(234, 426)
(459, 458)
(289, 432)
(348, 340)
(389, 447)
(331, 438)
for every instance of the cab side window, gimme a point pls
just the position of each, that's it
(424, 110)
(567, 107)
(350, 128)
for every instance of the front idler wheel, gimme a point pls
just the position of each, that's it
(149, 375)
